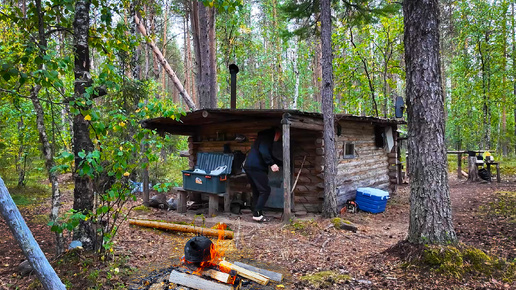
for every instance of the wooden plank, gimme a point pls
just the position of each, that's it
(256, 277)
(287, 194)
(195, 282)
(217, 275)
(306, 126)
(276, 277)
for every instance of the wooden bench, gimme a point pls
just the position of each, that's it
(213, 200)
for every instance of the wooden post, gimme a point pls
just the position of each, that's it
(227, 198)
(472, 169)
(181, 199)
(30, 248)
(498, 172)
(287, 212)
(459, 165)
(213, 204)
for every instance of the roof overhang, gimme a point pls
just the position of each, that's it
(188, 124)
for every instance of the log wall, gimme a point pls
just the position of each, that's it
(368, 168)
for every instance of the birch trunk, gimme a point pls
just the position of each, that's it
(47, 150)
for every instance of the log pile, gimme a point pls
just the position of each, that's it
(214, 279)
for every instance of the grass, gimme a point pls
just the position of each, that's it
(29, 194)
(325, 279)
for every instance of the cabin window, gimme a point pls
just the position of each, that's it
(348, 150)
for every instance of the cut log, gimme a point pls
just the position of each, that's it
(196, 282)
(256, 277)
(276, 277)
(217, 275)
(181, 228)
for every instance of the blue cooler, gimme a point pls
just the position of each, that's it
(371, 199)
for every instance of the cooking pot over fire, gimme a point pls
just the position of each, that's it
(197, 249)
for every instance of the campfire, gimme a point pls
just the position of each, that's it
(203, 267)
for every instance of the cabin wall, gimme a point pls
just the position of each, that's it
(309, 190)
(367, 167)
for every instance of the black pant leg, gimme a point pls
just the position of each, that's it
(261, 190)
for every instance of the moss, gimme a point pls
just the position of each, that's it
(141, 208)
(325, 279)
(478, 260)
(456, 261)
(337, 222)
(447, 260)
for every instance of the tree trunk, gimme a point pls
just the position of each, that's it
(48, 154)
(21, 160)
(514, 63)
(47, 149)
(430, 206)
(83, 191)
(330, 197)
(189, 82)
(205, 39)
(30, 248)
(168, 68)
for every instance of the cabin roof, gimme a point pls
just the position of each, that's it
(188, 123)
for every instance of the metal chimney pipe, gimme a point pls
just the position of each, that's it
(233, 70)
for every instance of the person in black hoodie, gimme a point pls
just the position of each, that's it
(264, 154)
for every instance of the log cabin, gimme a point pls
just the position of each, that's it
(367, 153)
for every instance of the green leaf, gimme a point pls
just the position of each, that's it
(81, 154)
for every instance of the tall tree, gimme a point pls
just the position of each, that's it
(430, 205)
(82, 144)
(327, 108)
(47, 148)
(203, 29)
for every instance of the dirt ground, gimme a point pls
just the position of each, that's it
(308, 245)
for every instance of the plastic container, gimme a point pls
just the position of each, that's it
(204, 181)
(371, 199)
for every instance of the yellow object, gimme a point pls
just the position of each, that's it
(487, 157)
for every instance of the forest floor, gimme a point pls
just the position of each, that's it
(371, 258)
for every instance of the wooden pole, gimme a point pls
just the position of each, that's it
(165, 64)
(287, 212)
(30, 248)
(181, 228)
(459, 165)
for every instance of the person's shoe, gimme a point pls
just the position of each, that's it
(261, 219)
(258, 218)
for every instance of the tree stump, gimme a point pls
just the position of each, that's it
(473, 170)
